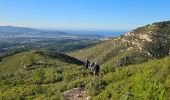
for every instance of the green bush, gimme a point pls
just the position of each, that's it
(40, 76)
(105, 70)
(134, 58)
(39, 89)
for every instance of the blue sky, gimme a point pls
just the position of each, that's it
(83, 14)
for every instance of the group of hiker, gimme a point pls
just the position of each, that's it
(93, 65)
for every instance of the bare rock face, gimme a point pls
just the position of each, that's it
(129, 34)
(145, 37)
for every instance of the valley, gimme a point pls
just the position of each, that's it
(21, 38)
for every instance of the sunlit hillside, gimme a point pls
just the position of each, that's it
(143, 54)
(138, 46)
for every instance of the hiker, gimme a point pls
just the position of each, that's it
(96, 69)
(86, 63)
(92, 64)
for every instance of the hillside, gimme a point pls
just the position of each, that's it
(148, 81)
(39, 74)
(28, 60)
(53, 77)
(138, 46)
(45, 75)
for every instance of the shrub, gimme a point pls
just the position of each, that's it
(40, 76)
(67, 76)
(39, 89)
(105, 70)
(134, 58)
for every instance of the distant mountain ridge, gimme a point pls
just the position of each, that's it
(18, 29)
(20, 32)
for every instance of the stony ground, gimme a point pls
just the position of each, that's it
(76, 94)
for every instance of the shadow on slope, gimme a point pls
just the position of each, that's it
(61, 57)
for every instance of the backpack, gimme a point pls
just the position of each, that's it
(97, 68)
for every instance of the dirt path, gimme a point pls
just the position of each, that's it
(76, 94)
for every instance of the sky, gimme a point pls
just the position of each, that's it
(83, 14)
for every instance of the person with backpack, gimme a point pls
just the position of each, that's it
(96, 69)
(86, 63)
(92, 64)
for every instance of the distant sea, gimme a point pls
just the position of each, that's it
(102, 33)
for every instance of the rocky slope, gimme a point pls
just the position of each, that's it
(137, 46)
